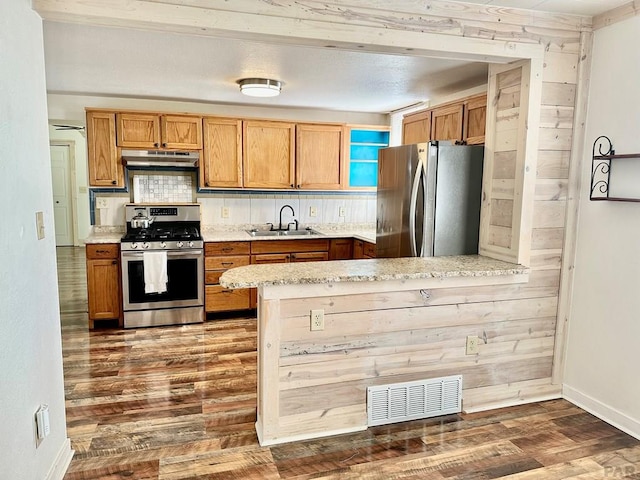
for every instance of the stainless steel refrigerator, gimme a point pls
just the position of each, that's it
(428, 200)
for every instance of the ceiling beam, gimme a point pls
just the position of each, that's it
(322, 25)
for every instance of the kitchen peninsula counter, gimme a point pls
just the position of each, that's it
(389, 321)
(373, 270)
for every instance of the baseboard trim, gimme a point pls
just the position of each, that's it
(602, 411)
(511, 403)
(308, 436)
(61, 463)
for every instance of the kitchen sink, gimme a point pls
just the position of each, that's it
(283, 233)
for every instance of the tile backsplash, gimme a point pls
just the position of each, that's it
(231, 210)
(162, 188)
(259, 209)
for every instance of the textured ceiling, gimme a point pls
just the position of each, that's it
(125, 62)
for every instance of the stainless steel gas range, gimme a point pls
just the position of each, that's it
(162, 265)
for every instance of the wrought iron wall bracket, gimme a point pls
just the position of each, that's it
(602, 156)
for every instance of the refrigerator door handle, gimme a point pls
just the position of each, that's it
(425, 204)
(413, 206)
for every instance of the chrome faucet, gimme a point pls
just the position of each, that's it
(295, 222)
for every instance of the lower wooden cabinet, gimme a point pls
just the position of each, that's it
(362, 249)
(221, 256)
(218, 258)
(287, 251)
(104, 292)
(220, 299)
(341, 249)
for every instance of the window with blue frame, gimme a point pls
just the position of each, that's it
(363, 156)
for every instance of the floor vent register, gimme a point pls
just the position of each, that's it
(400, 402)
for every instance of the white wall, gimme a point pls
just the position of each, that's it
(602, 355)
(30, 341)
(71, 107)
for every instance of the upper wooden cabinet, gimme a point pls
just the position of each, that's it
(460, 121)
(221, 165)
(147, 130)
(475, 120)
(269, 154)
(105, 167)
(319, 162)
(416, 127)
(446, 123)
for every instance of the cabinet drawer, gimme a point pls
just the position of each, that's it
(110, 250)
(369, 249)
(270, 258)
(224, 263)
(289, 246)
(220, 299)
(212, 277)
(226, 248)
(310, 257)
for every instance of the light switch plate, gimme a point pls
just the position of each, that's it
(341, 212)
(225, 212)
(40, 225)
(313, 211)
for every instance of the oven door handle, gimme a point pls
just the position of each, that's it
(170, 254)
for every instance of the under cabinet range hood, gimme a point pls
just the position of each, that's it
(160, 158)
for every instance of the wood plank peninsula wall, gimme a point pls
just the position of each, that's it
(431, 28)
(313, 383)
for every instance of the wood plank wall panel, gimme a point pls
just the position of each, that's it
(374, 339)
(497, 234)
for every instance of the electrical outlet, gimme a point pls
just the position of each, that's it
(313, 212)
(341, 212)
(317, 319)
(225, 212)
(101, 203)
(472, 345)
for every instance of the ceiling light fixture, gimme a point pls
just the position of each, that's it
(260, 87)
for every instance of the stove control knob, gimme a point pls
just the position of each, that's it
(163, 245)
(145, 245)
(134, 245)
(191, 244)
(180, 244)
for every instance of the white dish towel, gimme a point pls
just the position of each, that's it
(155, 272)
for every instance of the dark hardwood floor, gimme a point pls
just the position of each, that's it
(175, 403)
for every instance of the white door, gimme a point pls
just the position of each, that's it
(61, 178)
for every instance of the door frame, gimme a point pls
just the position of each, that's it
(71, 145)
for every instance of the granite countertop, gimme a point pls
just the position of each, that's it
(368, 270)
(114, 235)
(105, 235)
(368, 235)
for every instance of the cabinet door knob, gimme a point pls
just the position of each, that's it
(298, 186)
(206, 184)
(293, 255)
(113, 182)
(292, 185)
(164, 144)
(156, 144)
(114, 262)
